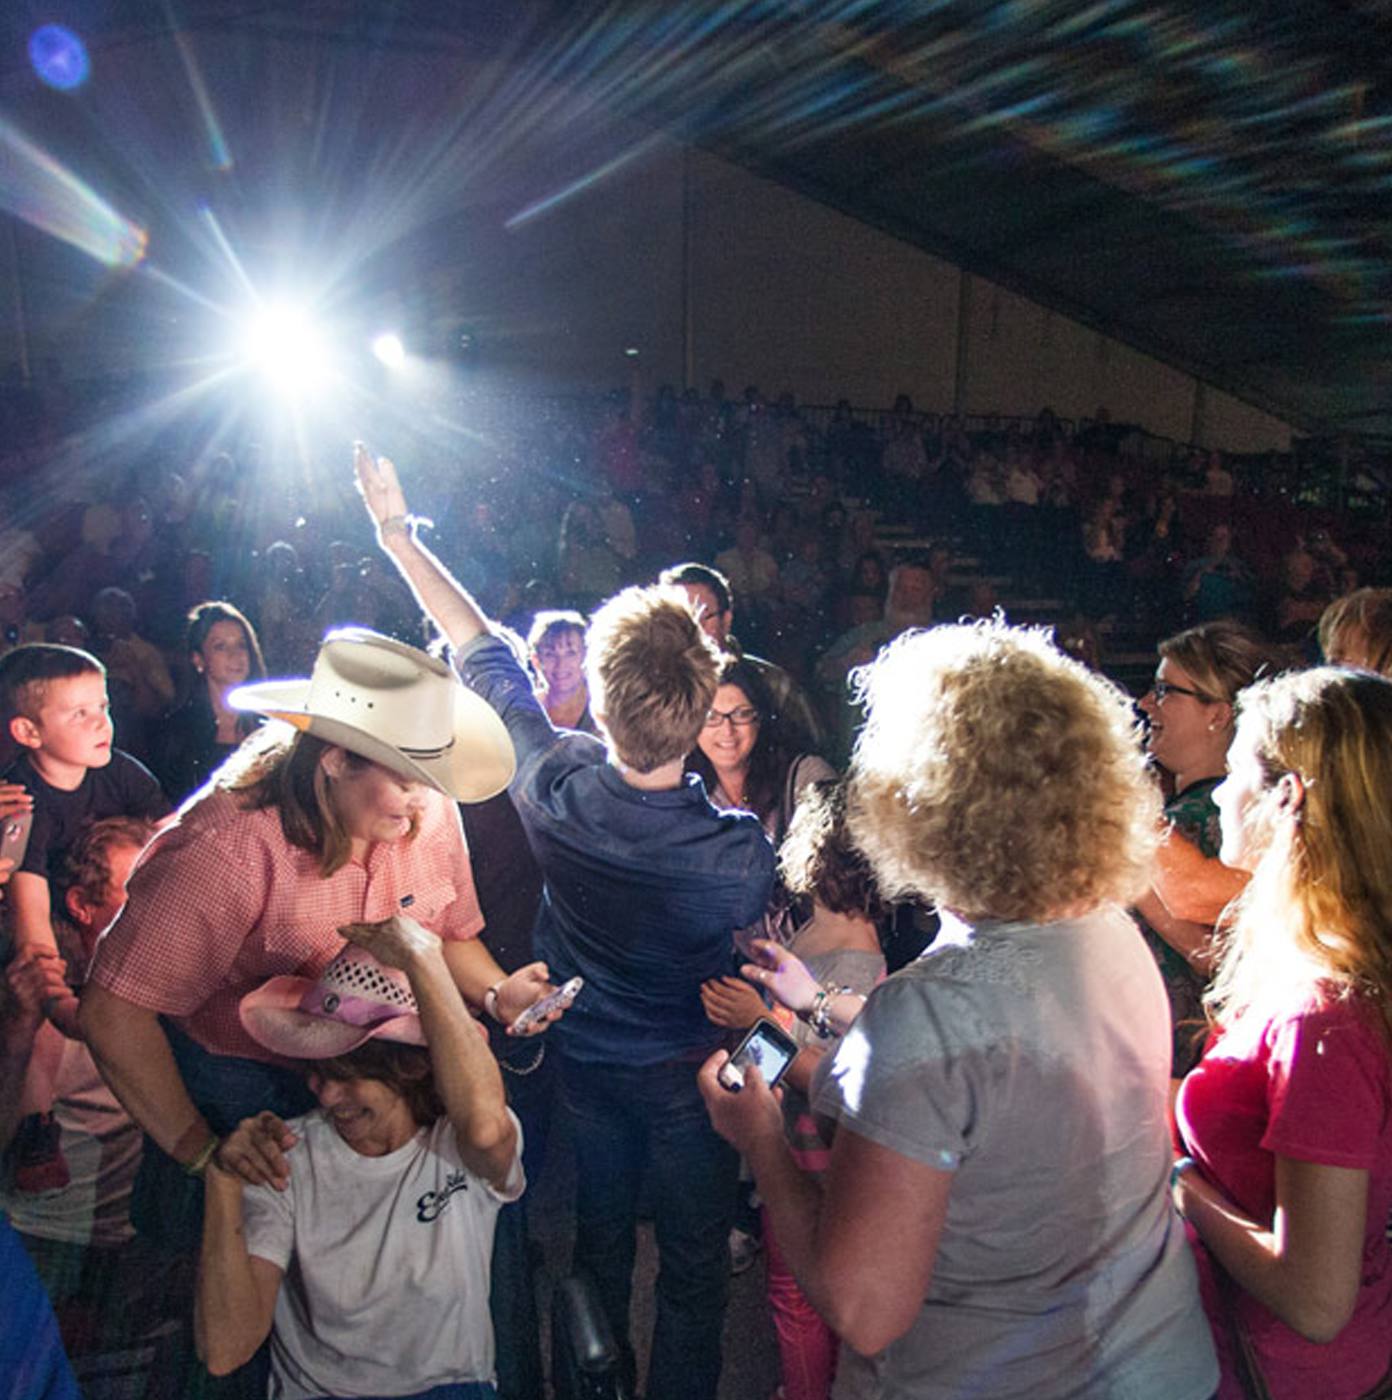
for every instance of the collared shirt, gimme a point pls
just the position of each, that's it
(644, 890)
(221, 902)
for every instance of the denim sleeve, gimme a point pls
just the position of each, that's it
(488, 667)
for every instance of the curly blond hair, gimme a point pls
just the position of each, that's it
(652, 674)
(1316, 917)
(998, 778)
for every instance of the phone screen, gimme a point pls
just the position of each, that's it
(769, 1047)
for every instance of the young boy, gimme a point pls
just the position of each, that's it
(645, 884)
(53, 705)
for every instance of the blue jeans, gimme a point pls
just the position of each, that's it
(625, 1118)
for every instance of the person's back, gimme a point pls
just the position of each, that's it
(645, 882)
(645, 885)
(1052, 1042)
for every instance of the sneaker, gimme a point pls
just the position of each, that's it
(744, 1249)
(39, 1164)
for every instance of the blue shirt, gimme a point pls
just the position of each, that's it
(643, 889)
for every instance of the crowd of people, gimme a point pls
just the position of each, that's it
(300, 971)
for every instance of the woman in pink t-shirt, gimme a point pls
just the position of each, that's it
(1288, 1119)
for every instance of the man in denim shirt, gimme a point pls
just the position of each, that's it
(645, 883)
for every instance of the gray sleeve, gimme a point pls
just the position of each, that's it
(904, 1077)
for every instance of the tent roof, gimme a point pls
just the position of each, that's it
(1209, 182)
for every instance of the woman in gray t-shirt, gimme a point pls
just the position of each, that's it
(996, 1218)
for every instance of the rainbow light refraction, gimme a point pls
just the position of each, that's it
(47, 195)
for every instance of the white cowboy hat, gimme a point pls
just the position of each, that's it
(398, 706)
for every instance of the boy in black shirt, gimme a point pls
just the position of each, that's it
(53, 703)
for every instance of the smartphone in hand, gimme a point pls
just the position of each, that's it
(766, 1045)
(557, 1001)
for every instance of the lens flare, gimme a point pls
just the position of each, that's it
(36, 188)
(59, 57)
(389, 349)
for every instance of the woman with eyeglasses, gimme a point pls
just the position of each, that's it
(1190, 712)
(1288, 1118)
(746, 761)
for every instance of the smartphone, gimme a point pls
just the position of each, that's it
(557, 1001)
(766, 1045)
(14, 837)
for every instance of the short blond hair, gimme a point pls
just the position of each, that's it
(652, 674)
(999, 778)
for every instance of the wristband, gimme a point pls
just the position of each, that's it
(1178, 1167)
(490, 1001)
(403, 525)
(199, 1165)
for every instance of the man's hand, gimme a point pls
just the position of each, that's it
(731, 1003)
(396, 942)
(745, 1118)
(254, 1152)
(519, 991)
(378, 485)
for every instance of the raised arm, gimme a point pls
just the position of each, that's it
(466, 1074)
(444, 600)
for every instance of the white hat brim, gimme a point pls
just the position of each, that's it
(478, 764)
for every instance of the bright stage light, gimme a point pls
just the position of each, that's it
(283, 344)
(390, 350)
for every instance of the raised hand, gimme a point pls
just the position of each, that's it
(378, 485)
(394, 942)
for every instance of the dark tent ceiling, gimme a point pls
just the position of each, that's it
(1210, 182)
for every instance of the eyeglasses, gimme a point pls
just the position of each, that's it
(1160, 689)
(741, 716)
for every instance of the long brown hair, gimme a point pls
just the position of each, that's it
(281, 767)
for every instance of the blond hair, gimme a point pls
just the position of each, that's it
(1221, 657)
(1316, 917)
(999, 778)
(1364, 615)
(652, 674)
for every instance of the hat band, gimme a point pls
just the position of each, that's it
(426, 753)
(350, 1010)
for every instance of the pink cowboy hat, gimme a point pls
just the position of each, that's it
(352, 1001)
